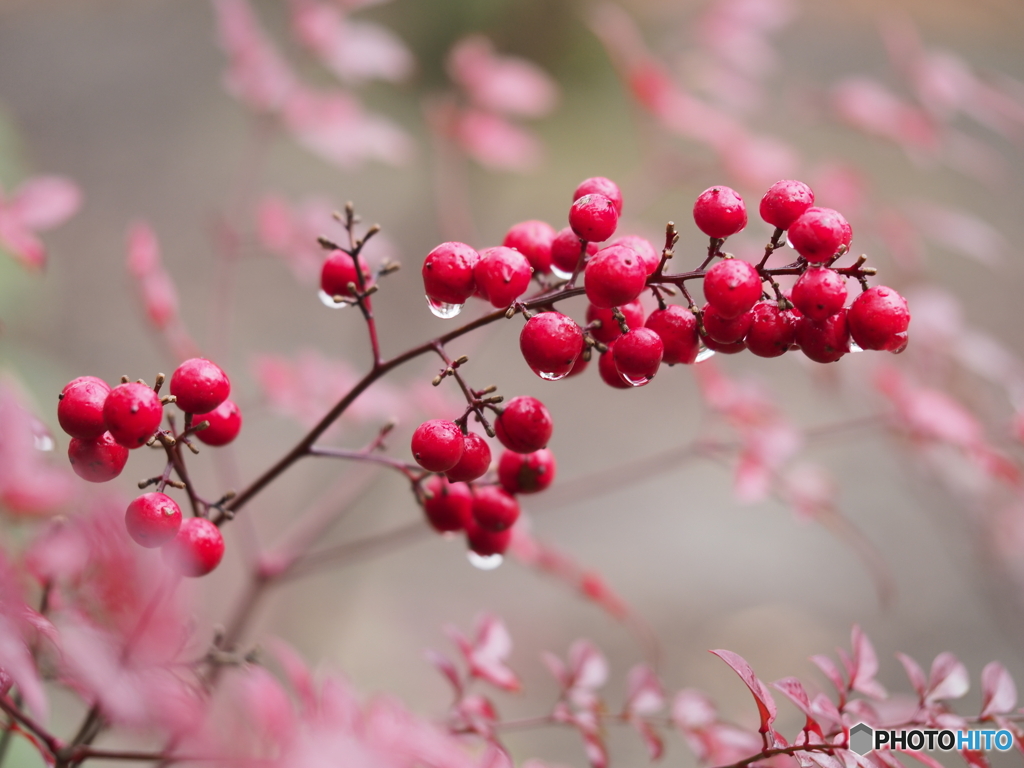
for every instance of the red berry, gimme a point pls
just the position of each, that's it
(153, 519)
(677, 327)
(610, 329)
(80, 379)
(199, 386)
(565, 252)
(339, 270)
(609, 373)
(524, 425)
(493, 508)
(550, 343)
(526, 472)
(502, 275)
(785, 201)
(437, 445)
(818, 233)
(225, 423)
(819, 292)
(647, 253)
(824, 342)
(720, 212)
(726, 349)
(771, 330)
(97, 460)
(732, 287)
(486, 543)
(614, 276)
(879, 319)
(448, 273)
(474, 462)
(725, 331)
(447, 505)
(599, 185)
(80, 410)
(132, 413)
(197, 549)
(637, 355)
(593, 218)
(532, 239)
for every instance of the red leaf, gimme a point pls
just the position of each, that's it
(999, 694)
(948, 679)
(652, 739)
(765, 702)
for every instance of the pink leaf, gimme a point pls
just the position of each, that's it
(557, 669)
(504, 84)
(45, 202)
(20, 241)
(865, 664)
(486, 654)
(445, 666)
(588, 667)
(914, 673)
(948, 679)
(297, 672)
(257, 74)
(999, 694)
(692, 710)
(496, 143)
(831, 671)
(765, 702)
(652, 739)
(644, 694)
(960, 231)
(870, 107)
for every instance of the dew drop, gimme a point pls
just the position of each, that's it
(559, 273)
(328, 301)
(484, 562)
(638, 382)
(548, 376)
(443, 310)
(855, 347)
(705, 353)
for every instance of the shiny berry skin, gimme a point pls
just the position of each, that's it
(339, 270)
(484, 542)
(197, 548)
(80, 410)
(474, 462)
(533, 239)
(785, 202)
(637, 355)
(446, 505)
(593, 218)
(132, 413)
(80, 379)
(772, 330)
(647, 252)
(609, 373)
(448, 273)
(502, 275)
(199, 386)
(719, 212)
(97, 460)
(732, 287)
(599, 185)
(494, 509)
(526, 472)
(818, 233)
(550, 343)
(725, 331)
(225, 424)
(824, 342)
(153, 519)
(437, 445)
(610, 329)
(726, 349)
(879, 318)
(524, 425)
(677, 327)
(819, 292)
(565, 251)
(579, 366)
(614, 276)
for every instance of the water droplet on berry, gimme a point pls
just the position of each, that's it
(42, 441)
(559, 273)
(443, 310)
(484, 562)
(855, 347)
(639, 382)
(704, 354)
(328, 301)
(552, 376)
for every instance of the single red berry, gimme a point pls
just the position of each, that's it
(565, 252)
(437, 445)
(81, 379)
(97, 460)
(593, 218)
(533, 239)
(720, 212)
(614, 276)
(474, 462)
(132, 413)
(486, 543)
(879, 319)
(732, 287)
(339, 270)
(225, 424)
(153, 519)
(524, 425)
(610, 328)
(772, 330)
(722, 330)
(785, 201)
(818, 232)
(493, 508)
(199, 386)
(824, 342)
(197, 548)
(447, 505)
(609, 373)
(677, 327)
(550, 343)
(80, 410)
(647, 252)
(726, 349)
(637, 355)
(580, 365)
(526, 472)
(599, 185)
(448, 273)
(502, 275)
(819, 292)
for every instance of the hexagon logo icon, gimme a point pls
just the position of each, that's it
(861, 738)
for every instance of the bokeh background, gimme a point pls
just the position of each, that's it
(126, 98)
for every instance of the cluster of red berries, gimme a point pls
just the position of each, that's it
(106, 422)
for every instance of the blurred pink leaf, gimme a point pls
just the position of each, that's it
(257, 74)
(999, 694)
(445, 666)
(644, 694)
(765, 702)
(21, 241)
(870, 107)
(865, 666)
(948, 679)
(496, 143)
(809, 489)
(960, 231)
(831, 671)
(486, 653)
(793, 689)
(45, 202)
(505, 84)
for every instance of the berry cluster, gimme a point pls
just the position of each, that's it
(106, 422)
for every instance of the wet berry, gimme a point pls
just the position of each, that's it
(824, 342)
(339, 270)
(97, 460)
(132, 413)
(502, 275)
(526, 472)
(637, 355)
(474, 462)
(772, 330)
(484, 542)
(199, 386)
(533, 239)
(599, 185)
(879, 319)
(153, 519)
(785, 201)
(610, 328)
(677, 327)
(550, 343)
(732, 287)
(819, 292)
(437, 445)
(446, 505)
(648, 254)
(80, 410)
(494, 509)
(579, 366)
(593, 218)
(448, 273)
(726, 349)
(818, 233)
(720, 212)
(609, 373)
(614, 276)
(524, 425)
(197, 548)
(225, 423)
(565, 251)
(722, 330)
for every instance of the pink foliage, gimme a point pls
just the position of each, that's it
(486, 653)
(504, 84)
(257, 75)
(39, 204)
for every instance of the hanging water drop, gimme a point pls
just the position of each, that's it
(442, 309)
(328, 301)
(559, 273)
(855, 347)
(705, 353)
(636, 382)
(549, 376)
(484, 562)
